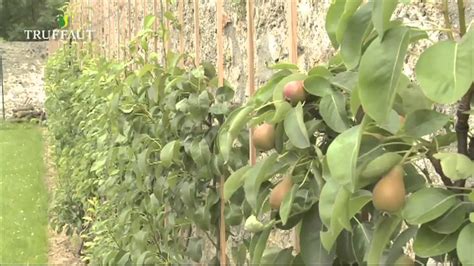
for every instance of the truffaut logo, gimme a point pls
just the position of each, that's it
(62, 33)
(63, 21)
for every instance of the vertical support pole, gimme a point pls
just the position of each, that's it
(129, 25)
(167, 26)
(81, 22)
(197, 37)
(251, 69)
(293, 30)
(220, 73)
(144, 12)
(90, 13)
(155, 27)
(181, 23)
(163, 28)
(119, 14)
(100, 33)
(107, 34)
(292, 20)
(3, 91)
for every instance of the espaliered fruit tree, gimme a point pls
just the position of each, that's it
(352, 151)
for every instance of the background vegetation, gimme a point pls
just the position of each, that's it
(18, 15)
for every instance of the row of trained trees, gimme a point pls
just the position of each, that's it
(153, 158)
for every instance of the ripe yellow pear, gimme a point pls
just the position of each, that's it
(279, 192)
(264, 137)
(389, 192)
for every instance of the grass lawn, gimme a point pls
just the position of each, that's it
(23, 196)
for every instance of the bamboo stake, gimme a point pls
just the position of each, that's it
(119, 13)
(168, 28)
(197, 37)
(181, 23)
(129, 28)
(292, 20)
(220, 71)
(81, 26)
(293, 31)
(155, 28)
(251, 69)
(101, 27)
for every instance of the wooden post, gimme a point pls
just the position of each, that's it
(119, 15)
(292, 20)
(168, 28)
(81, 23)
(181, 23)
(100, 35)
(155, 27)
(197, 37)
(109, 30)
(220, 73)
(293, 30)
(90, 13)
(251, 69)
(144, 12)
(129, 25)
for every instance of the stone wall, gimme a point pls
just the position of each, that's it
(314, 46)
(23, 77)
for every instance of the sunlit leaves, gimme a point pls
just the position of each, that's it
(423, 122)
(295, 128)
(429, 244)
(384, 228)
(381, 13)
(445, 70)
(380, 70)
(455, 165)
(427, 204)
(332, 109)
(357, 29)
(342, 156)
(465, 245)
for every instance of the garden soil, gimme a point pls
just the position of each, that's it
(62, 249)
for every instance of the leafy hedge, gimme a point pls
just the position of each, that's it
(137, 155)
(140, 152)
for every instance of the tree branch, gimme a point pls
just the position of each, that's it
(462, 17)
(462, 126)
(437, 166)
(447, 22)
(470, 150)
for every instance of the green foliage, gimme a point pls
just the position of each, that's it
(138, 162)
(24, 196)
(351, 131)
(146, 147)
